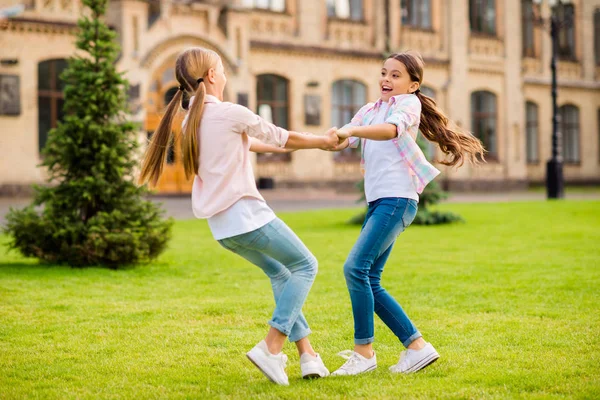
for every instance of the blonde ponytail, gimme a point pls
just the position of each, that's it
(154, 158)
(190, 147)
(191, 67)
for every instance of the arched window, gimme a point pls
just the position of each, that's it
(50, 97)
(569, 126)
(272, 99)
(431, 147)
(527, 18)
(482, 16)
(597, 35)
(345, 9)
(347, 97)
(416, 13)
(531, 132)
(484, 120)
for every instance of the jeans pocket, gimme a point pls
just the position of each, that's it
(252, 240)
(409, 213)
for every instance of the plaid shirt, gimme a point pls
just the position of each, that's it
(404, 112)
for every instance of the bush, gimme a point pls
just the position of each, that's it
(92, 213)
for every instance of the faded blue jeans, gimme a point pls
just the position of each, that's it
(386, 219)
(292, 268)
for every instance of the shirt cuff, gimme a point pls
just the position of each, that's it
(285, 135)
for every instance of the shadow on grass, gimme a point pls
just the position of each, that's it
(40, 265)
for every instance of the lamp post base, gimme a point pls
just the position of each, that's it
(554, 180)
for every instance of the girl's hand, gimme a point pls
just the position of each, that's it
(330, 139)
(343, 145)
(343, 134)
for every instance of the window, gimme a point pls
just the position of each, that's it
(597, 35)
(272, 5)
(569, 126)
(136, 36)
(484, 119)
(153, 12)
(345, 9)
(273, 105)
(169, 94)
(531, 132)
(50, 97)
(430, 147)
(482, 16)
(427, 91)
(566, 34)
(416, 13)
(527, 16)
(347, 97)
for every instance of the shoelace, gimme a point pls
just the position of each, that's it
(284, 360)
(402, 359)
(350, 356)
(402, 356)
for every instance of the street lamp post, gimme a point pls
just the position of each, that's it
(554, 166)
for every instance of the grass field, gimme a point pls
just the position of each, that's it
(510, 299)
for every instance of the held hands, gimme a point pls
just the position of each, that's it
(337, 139)
(331, 140)
(343, 133)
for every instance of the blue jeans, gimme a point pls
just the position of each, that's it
(292, 268)
(386, 219)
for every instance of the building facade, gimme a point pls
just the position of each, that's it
(310, 64)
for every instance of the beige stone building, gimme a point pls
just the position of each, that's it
(309, 64)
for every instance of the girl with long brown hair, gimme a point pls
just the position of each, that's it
(396, 172)
(217, 139)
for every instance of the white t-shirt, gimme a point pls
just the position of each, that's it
(246, 215)
(386, 173)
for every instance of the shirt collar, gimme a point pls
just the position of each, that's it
(392, 100)
(209, 98)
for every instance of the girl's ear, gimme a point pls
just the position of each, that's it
(414, 86)
(211, 75)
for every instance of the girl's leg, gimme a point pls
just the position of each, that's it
(383, 224)
(292, 269)
(278, 275)
(388, 309)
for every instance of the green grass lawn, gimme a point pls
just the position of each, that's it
(510, 299)
(569, 189)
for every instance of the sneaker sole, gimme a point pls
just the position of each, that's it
(365, 371)
(315, 374)
(265, 373)
(423, 363)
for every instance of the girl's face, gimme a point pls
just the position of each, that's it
(395, 80)
(217, 78)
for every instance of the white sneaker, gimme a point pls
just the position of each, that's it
(273, 366)
(356, 364)
(414, 360)
(312, 367)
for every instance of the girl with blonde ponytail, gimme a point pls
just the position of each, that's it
(218, 138)
(396, 172)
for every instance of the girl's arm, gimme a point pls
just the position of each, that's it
(373, 132)
(257, 146)
(308, 141)
(405, 113)
(268, 133)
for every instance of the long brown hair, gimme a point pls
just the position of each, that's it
(190, 66)
(435, 125)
